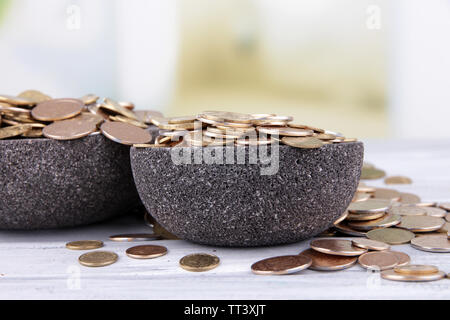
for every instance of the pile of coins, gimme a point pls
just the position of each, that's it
(217, 128)
(33, 114)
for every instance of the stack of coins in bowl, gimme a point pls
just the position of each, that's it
(33, 114)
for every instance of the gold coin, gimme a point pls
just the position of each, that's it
(34, 96)
(199, 262)
(33, 133)
(369, 206)
(274, 121)
(89, 99)
(378, 260)
(388, 220)
(391, 235)
(397, 180)
(421, 223)
(432, 243)
(408, 211)
(409, 198)
(14, 131)
(359, 196)
(445, 206)
(370, 244)
(57, 109)
(226, 116)
(435, 212)
(372, 173)
(328, 262)
(387, 194)
(365, 216)
(98, 259)
(302, 126)
(15, 113)
(69, 129)
(96, 110)
(162, 232)
(337, 247)
(146, 252)
(325, 136)
(114, 107)
(281, 265)
(84, 245)
(15, 100)
(285, 131)
(303, 143)
(135, 123)
(416, 269)
(345, 229)
(178, 120)
(134, 237)
(342, 217)
(125, 133)
(403, 258)
(392, 275)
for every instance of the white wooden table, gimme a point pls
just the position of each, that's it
(36, 265)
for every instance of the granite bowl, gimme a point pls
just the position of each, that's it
(51, 184)
(245, 204)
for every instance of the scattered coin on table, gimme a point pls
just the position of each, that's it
(328, 262)
(146, 252)
(370, 244)
(337, 247)
(98, 259)
(391, 235)
(130, 237)
(378, 260)
(281, 265)
(84, 245)
(199, 262)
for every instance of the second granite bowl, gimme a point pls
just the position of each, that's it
(50, 184)
(236, 205)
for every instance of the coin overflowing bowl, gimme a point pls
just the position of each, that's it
(229, 179)
(58, 169)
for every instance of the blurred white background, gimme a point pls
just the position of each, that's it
(366, 68)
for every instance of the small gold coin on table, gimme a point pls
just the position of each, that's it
(337, 247)
(387, 194)
(134, 237)
(57, 109)
(84, 245)
(328, 262)
(408, 211)
(89, 99)
(360, 196)
(369, 206)
(409, 198)
(416, 269)
(370, 244)
(392, 275)
(116, 108)
(14, 131)
(345, 229)
(378, 260)
(365, 216)
(403, 258)
(372, 173)
(146, 252)
(98, 259)
(386, 221)
(69, 129)
(34, 96)
(397, 180)
(391, 235)
(421, 223)
(432, 243)
(125, 133)
(199, 262)
(281, 265)
(303, 143)
(15, 100)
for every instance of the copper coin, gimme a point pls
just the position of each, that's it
(57, 109)
(432, 243)
(146, 252)
(365, 216)
(392, 275)
(387, 194)
(328, 262)
(416, 269)
(403, 258)
(378, 260)
(409, 198)
(388, 220)
(370, 244)
(391, 235)
(342, 217)
(134, 237)
(408, 211)
(116, 108)
(421, 223)
(345, 229)
(69, 129)
(281, 265)
(84, 245)
(337, 247)
(89, 99)
(435, 212)
(371, 205)
(125, 133)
